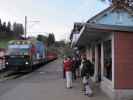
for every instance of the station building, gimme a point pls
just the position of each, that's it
(107, 40)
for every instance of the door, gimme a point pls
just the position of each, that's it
(99, 62)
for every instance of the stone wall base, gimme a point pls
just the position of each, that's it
(117, 94)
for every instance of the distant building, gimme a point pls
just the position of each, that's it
(107, 40)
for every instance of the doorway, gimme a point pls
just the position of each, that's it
(99, 62)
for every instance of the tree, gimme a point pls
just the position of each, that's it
(0, 26)
(18, 29)
(9, 27)
(21, 29)
(121, 3)
(51, 39)
(60, 43)
(4, 27)
(42, 38)
(15, 28)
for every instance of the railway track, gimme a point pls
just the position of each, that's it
(10, 75)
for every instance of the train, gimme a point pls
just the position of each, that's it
(24, 55)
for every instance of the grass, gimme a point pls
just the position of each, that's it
(4, 42)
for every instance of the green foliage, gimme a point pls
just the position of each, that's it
(64, 48)
(7, 32)
(60, 43)
(18, 29)
(4, 42)
(9, 27)
(128, 3)
(51, 39)
(42, 38)
(4, 27)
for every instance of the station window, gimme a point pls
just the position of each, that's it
(108, 59)
(93, 55)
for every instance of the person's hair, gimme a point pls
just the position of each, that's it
(65, 57)
(69, 57)
(84, 58)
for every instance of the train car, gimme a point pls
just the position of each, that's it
(23, 55)
(51, 56)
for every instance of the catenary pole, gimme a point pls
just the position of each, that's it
(25, 27)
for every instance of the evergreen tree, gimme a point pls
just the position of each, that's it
(21, 29)
(18, 29)
(42, 38)
(15, 28)
(0, 26)
(9, 27)
(51, 39)
(4, 27)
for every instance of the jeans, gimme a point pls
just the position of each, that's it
(87, 88)
(68, 79)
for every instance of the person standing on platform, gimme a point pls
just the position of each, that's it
(68, 72)
(86, 72)
(74, 65)
(78, 63)
(63, 69)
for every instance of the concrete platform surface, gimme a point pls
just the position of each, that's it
(51, 88)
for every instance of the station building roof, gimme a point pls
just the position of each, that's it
(114, 18)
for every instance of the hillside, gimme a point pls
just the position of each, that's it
(4, 42)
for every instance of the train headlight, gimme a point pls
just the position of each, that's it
(26, 63)
(7, 63)
(25, 53)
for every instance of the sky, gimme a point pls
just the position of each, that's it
(50, 16)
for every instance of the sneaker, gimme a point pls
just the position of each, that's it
(69, 87)
(83, 90)
(89, 95)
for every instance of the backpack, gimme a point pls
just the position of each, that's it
(88, 69)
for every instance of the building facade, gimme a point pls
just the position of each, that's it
(107, 39)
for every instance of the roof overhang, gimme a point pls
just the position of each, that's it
(116, 18)
(95, 32)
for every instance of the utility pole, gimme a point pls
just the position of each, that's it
(25, 27)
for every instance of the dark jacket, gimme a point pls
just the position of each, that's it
(88, 69)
